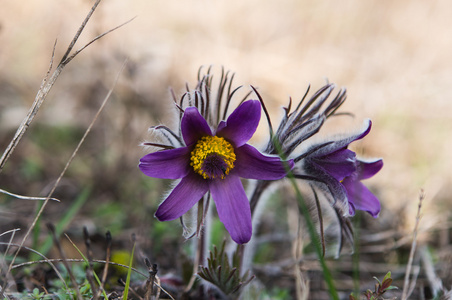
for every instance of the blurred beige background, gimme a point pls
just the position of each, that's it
(394, 57)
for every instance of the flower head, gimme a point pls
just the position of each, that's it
(214, 160)
(333, 165)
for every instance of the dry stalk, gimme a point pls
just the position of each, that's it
(406, 283)
(48, 82)
(45, 89)
(13, 233)
(27, 197)
(295, 226)
(121, 281)
(107, 261)
(89, 269)
(152, 279)
(434, 281)
(57, 243)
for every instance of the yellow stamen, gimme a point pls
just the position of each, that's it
(209, 146)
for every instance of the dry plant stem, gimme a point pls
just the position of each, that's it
(47, 85)
(152, 269)
(199, 259)
(45, 89)
(121, 281)
(66, 166)
(153, 276)
(65, 263)
(13, 233)
(27, 197)
(39, 99)
(435, 282)
(107, 259)
(406, 283)
(79, 32)
(294, 223)
(89, 270)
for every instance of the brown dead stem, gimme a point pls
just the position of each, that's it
(406, 286)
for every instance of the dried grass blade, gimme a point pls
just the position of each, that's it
(27, 197)
(406, 283)
(68, 59)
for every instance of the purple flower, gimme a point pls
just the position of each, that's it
(214, 161)
(337, 167)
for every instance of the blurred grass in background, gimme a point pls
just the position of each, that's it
(393, 57)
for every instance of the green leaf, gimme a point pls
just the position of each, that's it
(129, 272)
(87, 263)
(66, 219)
(386, 283)
(221, 273)
(387, 276)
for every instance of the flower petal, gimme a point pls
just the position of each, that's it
(221, 126)
(166, 164)
(369, 169)
(194, 126)
(361, 198)
(186, 194)
(233, 207)
(338, 164)
(241, 123)
(250, 163)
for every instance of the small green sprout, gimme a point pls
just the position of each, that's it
(380, 288)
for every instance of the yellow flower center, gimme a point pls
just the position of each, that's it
(212, 157)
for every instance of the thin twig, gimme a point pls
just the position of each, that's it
(89, 270)
(27, 197)
(129, 288)
(67, 60)
(79, 31)
(39, 99)
(107, 259)
(152, 269)
(13, 233)
(47, 85)
(406, 283)
(436, 285)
